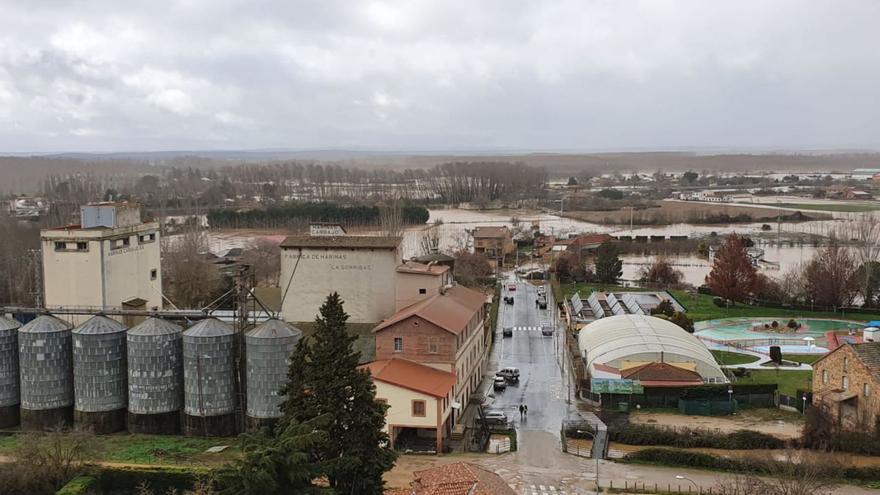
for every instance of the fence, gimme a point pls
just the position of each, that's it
(796, 401)
(704, 407)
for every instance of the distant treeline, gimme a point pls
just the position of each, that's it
(296, 214)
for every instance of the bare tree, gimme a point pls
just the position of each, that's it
(829, 277)
(190, 280)
(661, 272)
(429, 240)
(867, 237)
(391, 219)
(799, 472)
(264, 257)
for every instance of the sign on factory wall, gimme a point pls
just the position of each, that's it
(326, 229)
(615, 386)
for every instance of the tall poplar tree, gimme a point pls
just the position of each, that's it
(324, 379)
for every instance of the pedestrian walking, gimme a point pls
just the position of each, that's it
(522, 411)
(525, 409)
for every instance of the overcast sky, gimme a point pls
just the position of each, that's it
(441, 75)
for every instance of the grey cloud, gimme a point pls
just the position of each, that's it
(103, 75)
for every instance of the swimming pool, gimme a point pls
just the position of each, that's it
(751, 332)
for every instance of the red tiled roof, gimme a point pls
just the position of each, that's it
(661, 372)
(421, 268)
(451, 310)
(605, 368)
(460, 478)
(412, 375)
(590, 239)
(491, 232)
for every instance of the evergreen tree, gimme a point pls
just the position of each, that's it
(609, 266)
(276, 464)
(325, 380)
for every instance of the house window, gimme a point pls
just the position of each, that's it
(433, 345)
(423, 291)
(846, 383)
(845, 363)
(82, 246)
(153, 274)
(418, 408)
(60, 246)
(866, 390)
(143, 239)
(398, 344)
(824, 376)
(126, 242)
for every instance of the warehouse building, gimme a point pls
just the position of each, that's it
(360, 268)
(110, 260)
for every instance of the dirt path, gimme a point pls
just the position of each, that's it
(743, 421)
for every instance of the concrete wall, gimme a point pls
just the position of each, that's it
(102, 275)
(365, 278)
(399, 402)
(409, 285)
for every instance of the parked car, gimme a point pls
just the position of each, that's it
(508, 299)
(495, 417)
(507, 331)
(510, 373)
(547, 331)
(500, 383)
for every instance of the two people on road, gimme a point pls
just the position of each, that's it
(523, 410)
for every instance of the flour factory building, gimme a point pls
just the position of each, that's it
(360, 268)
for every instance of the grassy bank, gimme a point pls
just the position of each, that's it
(789, 381)
(733, 358)
(700, 306)
(152, 449)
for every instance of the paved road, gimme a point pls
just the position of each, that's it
(541, 386)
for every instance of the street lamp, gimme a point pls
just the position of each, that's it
(680, 477)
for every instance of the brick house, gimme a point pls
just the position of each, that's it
(495, 243)
(446, 331)
(846, 384)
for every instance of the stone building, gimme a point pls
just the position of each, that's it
(846, 384)
(446, 331)
(110, 260)
(360, 268)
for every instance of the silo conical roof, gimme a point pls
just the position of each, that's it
(211, 327)
(8, 323)
(154, 326)
(45, 324)
(274, 329)
(99, 325)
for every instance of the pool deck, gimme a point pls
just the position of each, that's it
(757, 364)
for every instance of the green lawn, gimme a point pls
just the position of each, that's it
(725, 357)
(852, 208)
(789, 381)
(152, 449)
(802, 358)
(700, 306)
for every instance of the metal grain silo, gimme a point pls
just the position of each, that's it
(155, 377)
(100, 376)
(10, 397)
(46, 362)
(269, 347)
(209, 379)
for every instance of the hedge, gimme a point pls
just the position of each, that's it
(81, 485)
(160, 479)
(634, 434)
(764, 467)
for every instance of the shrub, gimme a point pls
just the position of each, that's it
(774, 324)
(793, 324)
(81, 485)
(689, 438)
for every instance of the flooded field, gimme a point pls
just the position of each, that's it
(457, 223)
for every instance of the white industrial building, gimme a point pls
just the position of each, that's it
(110, 260)
(612, 345)
(360, 268)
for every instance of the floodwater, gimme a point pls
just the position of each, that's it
(457, 223)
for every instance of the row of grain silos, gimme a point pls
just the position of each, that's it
(154, 378)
